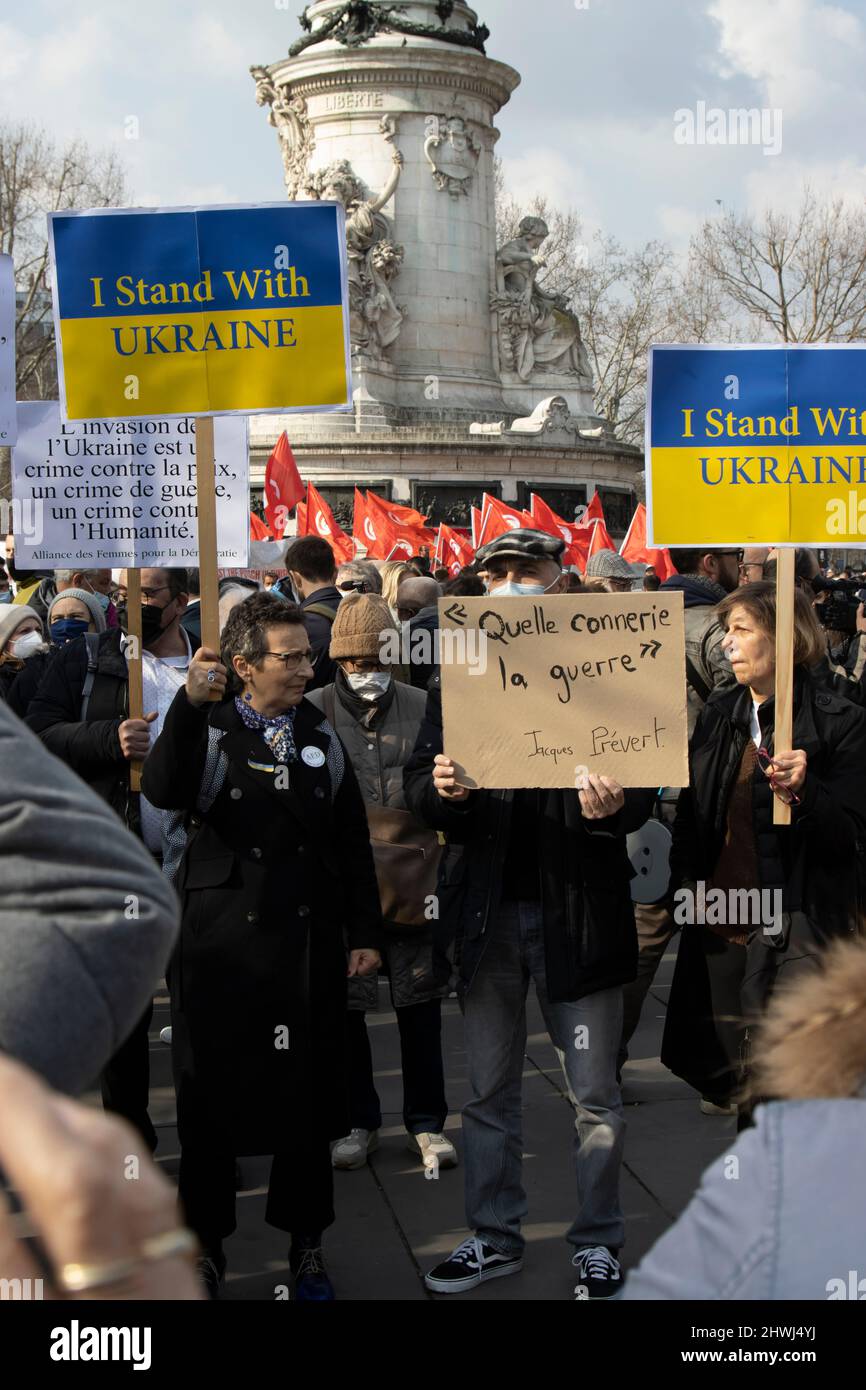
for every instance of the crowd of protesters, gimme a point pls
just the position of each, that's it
(298, 826)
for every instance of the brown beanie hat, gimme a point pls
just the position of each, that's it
(358, 627)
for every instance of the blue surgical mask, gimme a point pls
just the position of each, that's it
(6, 596)
(102, 599)
(65, 629)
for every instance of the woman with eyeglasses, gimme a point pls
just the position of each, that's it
(280, 907)
(759, 901)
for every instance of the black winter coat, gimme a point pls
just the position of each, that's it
(275, 884)
(817, 861)
(590, 942)
(28, 681)
(91, 748)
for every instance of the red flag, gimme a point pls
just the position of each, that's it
(258, 529)
(600, 539)
(576, 537)
(406, 541)
(373, 528)
(635, 549)
(301, 519)
(283, 486)
(452, 550)
(476, 526)
(500, 517)
(395, 511)
(594, 512)
(320, 522)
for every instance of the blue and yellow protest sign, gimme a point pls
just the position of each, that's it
(757, 445)
(201, 310)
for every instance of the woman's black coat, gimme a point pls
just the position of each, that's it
(817, 862)
(277, 883)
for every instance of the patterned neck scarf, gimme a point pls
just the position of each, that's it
(278, 733)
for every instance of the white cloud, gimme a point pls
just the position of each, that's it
(74, 53)
(804, 54)
(14, 53)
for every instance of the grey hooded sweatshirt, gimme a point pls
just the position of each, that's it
(87, 921)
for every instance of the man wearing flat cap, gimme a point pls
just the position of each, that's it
(535, 885)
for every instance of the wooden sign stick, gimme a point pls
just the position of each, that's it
(205, 483)
(133, 663)
(783, 732)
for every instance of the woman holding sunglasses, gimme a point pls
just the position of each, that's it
(280, 907)
(785, 890)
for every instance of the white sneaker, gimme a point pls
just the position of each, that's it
(165, 1036)
(352, 1151)
(436, 1151)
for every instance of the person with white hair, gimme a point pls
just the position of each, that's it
(360, 577)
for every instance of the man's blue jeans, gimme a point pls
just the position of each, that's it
(586, 1035)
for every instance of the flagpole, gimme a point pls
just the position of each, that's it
(628, 533)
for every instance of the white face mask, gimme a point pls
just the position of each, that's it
(507, 588)
(369, 685)
(27, 645)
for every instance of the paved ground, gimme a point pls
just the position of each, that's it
(392, 1223)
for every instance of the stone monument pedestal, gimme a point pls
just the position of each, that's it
(391, 109)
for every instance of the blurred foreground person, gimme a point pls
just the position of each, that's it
(87, 921)
(81, 712)
(779, 893)
(277, 877)
(105, 1238)
(793, 1224)
(377, 719)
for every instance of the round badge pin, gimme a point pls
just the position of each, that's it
(313, 757)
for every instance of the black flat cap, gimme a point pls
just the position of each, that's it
(534, 545)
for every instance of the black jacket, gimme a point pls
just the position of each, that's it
(815, 862)
(425, 621)
(28, 681)
(91, 748)
(590, 941)
(191, 623)
(276, 882)
(319, 632)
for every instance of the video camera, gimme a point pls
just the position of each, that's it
(839, 609)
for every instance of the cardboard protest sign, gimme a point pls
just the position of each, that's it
(8, 422)
(201, 310)
(110, 494)
(757, 445)
(535, 688)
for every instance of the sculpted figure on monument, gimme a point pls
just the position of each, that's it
(451, 153)
(374, 257)
(288, 116)
(538, 333)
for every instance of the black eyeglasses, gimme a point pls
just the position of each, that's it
(292, 660)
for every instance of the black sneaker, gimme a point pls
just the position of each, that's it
(598, 1272)
(472, 1263)
(211, 1270)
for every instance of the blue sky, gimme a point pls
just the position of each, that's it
(591, 125)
